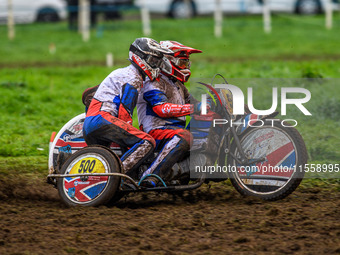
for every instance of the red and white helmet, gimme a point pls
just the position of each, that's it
(146, 55)
(178, 64)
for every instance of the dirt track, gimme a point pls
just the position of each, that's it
(207, 221)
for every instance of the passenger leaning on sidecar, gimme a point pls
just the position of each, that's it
(109, 115)
(162, 107)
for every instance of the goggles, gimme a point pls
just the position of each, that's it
(153, 61)
(183, 63)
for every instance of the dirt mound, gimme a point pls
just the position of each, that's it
(20, 187)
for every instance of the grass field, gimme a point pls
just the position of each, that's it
(41, 91)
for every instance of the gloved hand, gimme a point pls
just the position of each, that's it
(210, 104)
(198, 106)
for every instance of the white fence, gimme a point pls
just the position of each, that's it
(219, 6)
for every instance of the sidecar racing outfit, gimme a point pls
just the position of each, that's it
(162, 107)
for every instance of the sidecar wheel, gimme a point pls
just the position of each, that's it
(89, 190)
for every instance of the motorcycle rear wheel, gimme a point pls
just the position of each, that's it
(282, 171)
(89, 190)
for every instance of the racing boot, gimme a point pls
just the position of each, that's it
(172, 152)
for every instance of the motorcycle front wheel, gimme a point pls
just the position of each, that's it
(280, 173)
(89, 190)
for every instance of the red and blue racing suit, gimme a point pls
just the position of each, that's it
(109, 117)
(162, 107)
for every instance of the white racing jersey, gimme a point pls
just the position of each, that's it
(110, 92)
(160, 93)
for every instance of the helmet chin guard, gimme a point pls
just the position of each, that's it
(143, 66)
(171, 70)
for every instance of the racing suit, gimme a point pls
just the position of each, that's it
(162, 107)
(109, 117)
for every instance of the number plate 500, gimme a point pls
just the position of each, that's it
(86, 166)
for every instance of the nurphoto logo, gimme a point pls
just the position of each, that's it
(238, 104)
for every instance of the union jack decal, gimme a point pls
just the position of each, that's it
(85, 190)
(280, 156)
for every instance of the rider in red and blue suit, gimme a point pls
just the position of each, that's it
(109, 116)
(162, 107)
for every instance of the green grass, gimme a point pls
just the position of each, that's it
(243, 39)
(41, 91)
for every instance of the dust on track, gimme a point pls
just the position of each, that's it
(215, 220)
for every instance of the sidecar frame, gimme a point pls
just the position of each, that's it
(137, 188)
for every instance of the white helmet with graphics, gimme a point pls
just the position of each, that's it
(146, 55)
